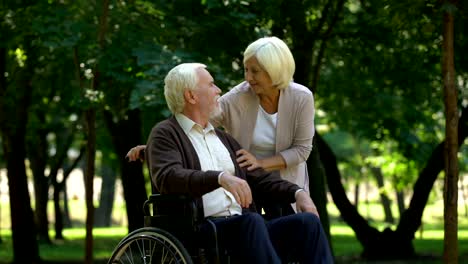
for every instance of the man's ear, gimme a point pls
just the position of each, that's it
(189, 96)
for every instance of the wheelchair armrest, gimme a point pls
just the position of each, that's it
(168, 197)
(171, 205)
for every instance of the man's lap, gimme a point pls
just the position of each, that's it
(283, 232)
(244, 237)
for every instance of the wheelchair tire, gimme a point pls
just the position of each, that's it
(150, 245)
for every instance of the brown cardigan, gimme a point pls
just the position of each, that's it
(175, 168)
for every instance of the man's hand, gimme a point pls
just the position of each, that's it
(238, 187)
(247, 159)
(305, 204)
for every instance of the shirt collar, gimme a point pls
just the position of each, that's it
(188, 124)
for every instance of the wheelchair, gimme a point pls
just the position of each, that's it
(169, 237)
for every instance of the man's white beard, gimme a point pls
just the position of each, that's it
(216, 112)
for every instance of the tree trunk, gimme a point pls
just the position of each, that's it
(318, 188)
(90, 117)
(38, 158)
(15, 99)
(22, 224)
(22, 217)
(58, 211)
(356, 195)
(106, 201)
(376, 244)
(386, 203)
(464, 196)
(401, 202)
(125, 135)
(3, 88)
(411, 218)
(65, 138)
(67, 222)
(451, 135)
(62, 218)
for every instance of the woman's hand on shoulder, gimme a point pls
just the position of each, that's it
(247, 160)
(136, 153)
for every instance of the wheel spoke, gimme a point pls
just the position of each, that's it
(152, 252)
(130, 260)
(142, 247)
(163, 257)
(142, 252)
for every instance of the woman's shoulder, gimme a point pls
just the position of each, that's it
(296, 88)
(240, 89)
(238, 92)
(298, 93)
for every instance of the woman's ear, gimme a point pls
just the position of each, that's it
(189, 96)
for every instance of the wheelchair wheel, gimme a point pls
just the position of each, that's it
(150, 245)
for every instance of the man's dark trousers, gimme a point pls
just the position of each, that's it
(250, 239)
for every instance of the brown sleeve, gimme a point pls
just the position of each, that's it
(172, 163)
(269, 186)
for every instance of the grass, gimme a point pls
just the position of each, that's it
(428, 242)
(429, 247)
(346, 246)
(72, 248)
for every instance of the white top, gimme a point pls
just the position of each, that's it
(264, 135)
(213, 155)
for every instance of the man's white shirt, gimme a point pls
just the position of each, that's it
(213, 155)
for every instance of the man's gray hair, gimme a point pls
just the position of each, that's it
(181, 77)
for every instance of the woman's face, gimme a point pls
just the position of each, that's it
(257, 77)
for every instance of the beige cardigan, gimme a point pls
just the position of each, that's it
(295, 125)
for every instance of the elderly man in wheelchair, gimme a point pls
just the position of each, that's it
(204, 211)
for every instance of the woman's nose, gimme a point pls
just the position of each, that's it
(248, 76)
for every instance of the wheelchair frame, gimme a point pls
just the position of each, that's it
(160, 240)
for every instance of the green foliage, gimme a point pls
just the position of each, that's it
(393, 72)
(381, 83)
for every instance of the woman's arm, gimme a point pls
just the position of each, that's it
(136, 153)
(304, 132)
(248, 160)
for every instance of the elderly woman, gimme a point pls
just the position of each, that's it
(270, 115)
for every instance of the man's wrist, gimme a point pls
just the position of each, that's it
(297, 192)
(219, 177)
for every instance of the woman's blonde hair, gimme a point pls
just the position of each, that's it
(181, 77)
(275, 58)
